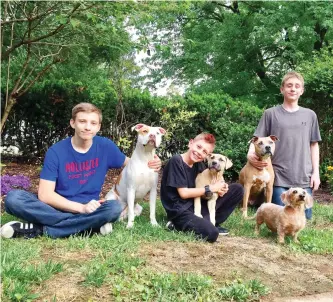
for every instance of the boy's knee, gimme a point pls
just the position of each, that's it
(112, 210)
(12, 198)
(239, 189)
(213, 234)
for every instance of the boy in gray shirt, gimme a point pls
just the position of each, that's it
(296, 157)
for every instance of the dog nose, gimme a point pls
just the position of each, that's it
(302, 197)
(151, 135)
(268, 148)
(214, 163)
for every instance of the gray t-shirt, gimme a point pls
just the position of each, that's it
(295, 130)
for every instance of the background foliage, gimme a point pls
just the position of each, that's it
(230, 56)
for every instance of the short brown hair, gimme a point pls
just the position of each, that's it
(86, 107)
(207, 137)
(292, 74)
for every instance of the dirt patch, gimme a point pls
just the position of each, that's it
(284, 273)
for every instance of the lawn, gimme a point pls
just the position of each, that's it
(153, 264)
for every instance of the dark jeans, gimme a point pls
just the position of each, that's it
(202, 227)
(56, 223)
(277, 191)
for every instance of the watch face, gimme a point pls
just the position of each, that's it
(208, 192)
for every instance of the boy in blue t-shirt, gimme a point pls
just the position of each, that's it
(70, 183)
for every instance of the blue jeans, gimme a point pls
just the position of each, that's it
(277, 191)
(58, 224)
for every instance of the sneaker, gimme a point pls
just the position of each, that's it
(222, 231)
(170, 226)
(106, 229)
(16, 229)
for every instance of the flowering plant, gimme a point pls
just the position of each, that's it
(11, 182)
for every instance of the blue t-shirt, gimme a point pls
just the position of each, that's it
(79, 176)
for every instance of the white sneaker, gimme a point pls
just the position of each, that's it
(106, 229)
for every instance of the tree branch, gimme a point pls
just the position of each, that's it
(52, 33)
(24, 67)
(234, 8)
(8, 67)
(29, 19)
(2, 28)
(41, 73)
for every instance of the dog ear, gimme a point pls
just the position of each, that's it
(137, 127)
(308, 201)
(162, 130)
(253, 139)
(228, 163)
(285, 197)
(273, 138)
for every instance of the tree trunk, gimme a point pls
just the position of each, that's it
(10, 104)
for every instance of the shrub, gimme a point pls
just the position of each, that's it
(11, 182)
(329, 175)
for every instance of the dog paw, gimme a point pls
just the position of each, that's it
(244, 215)
(129, 225)
(199, 215)
(154, 223)
(138, 210)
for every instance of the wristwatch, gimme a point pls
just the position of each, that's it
(208, 192)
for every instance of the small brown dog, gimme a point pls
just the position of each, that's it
(287, 220)
(217, 163)
(255, 181)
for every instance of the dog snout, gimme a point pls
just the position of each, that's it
(214, 163)
(152, 136)
(302, 197)
(268, 148)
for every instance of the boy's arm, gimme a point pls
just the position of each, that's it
(186, 193)
(315, 177)
(47, 194)
(154, 164)
(125, 162)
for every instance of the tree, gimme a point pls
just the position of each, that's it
(242, 48)
(36, 35)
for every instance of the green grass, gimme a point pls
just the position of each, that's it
(111, 264)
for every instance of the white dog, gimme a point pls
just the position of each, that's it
(137, 179)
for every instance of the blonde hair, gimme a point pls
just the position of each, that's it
(292, 74)
(86, 107)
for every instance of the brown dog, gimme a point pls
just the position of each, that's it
(287, 220)
(256, 181)
(217, 163)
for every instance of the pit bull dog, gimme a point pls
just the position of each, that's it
(257, 181)
(137, 179)
(288, 220)
(217, 164)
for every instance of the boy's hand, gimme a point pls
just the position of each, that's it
(91, 206)
(254, 161)
(315, 181)
(223, 190)
(219, 186)
(155, 164)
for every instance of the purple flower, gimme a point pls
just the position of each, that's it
(11, 182)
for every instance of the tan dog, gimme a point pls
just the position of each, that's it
(256, 181)
(217, 163)
(288, 220)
